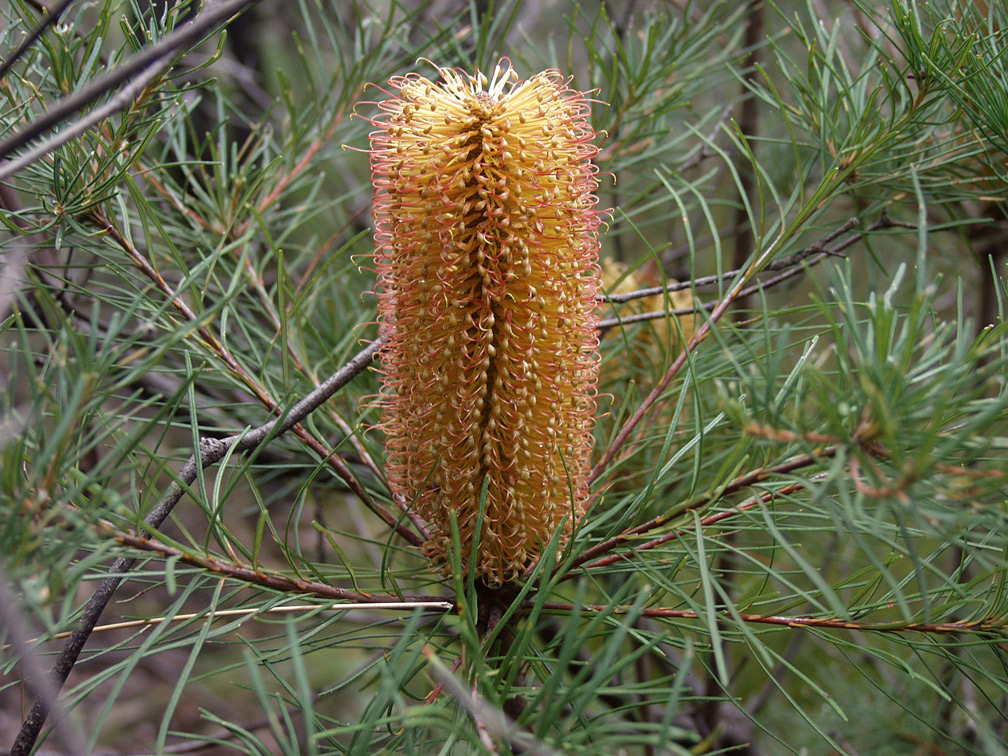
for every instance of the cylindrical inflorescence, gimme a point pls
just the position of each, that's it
(486, 231)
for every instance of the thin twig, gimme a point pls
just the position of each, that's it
(250, 612)
(654, 543)
(436, 691)
(785, 262)
(811, 255)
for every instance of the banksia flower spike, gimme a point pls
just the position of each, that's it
(486, 230)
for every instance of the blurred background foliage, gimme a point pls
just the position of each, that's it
(798, 539)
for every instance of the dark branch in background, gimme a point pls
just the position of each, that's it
(748, 126)
(698, 157)
(782, 264)
(150, 58)
(210, 451)
(38, 31)
(620, 28)
(811, 255)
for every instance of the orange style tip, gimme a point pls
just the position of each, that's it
(430, 62)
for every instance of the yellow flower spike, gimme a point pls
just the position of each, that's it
(486, 235)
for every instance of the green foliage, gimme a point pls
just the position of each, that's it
(798, 539)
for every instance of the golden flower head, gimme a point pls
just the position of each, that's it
(486, 231)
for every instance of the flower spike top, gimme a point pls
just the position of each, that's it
(486, 235)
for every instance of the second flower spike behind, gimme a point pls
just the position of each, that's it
(486, 235)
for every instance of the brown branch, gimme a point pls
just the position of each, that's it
(436, 691)
(991, 624)
(896, 490)
(256, 576)
(748, 128)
